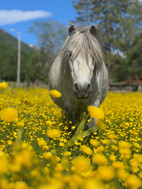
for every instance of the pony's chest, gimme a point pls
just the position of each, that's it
(77, 105)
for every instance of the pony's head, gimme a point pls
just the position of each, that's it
(83, 55)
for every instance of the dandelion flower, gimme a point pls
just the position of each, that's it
(100, 159)
(67, 153)
(3, 85)
(118, 165)
(21, 185)
(132, 181)
(56, 94)
(106, 173)
(53, 133)
(42, 142)
(124, 145)
(3, 163)
(8, 114)
(87, 150)
(96, 112)
(122, 174)
(91, 183)
(94, 142)
(81, 164)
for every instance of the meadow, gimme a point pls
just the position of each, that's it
(35, 152)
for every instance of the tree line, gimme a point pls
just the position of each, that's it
(121, 35)
(121, 23)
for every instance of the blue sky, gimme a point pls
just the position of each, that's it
(21, 14)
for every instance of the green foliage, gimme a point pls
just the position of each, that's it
(35, 65)
(11, 41)
(8, 59)
(134, 57)
(50, 34)
(7, 63)
(121, 23)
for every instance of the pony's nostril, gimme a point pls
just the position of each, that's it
(82, 88)
(88, 87)
(76, 88)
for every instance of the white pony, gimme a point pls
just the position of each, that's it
(79, 72)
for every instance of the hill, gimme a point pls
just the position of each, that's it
(9, 40)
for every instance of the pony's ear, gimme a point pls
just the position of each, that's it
(71, 30)
(94, 30)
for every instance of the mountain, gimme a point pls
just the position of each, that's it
(9, 40)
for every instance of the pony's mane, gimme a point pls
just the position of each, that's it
(82, 41)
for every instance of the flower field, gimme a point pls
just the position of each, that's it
(35, 152)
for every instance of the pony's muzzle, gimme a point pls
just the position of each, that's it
(82, 91)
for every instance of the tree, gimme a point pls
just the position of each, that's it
(120, 21)
(50, 36)
(134, 57)
(114, 17)
(7, 63)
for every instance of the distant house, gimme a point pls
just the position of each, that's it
(130, 84)
(132, 80)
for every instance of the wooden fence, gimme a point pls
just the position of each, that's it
(116, 86)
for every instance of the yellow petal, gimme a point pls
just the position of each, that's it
(3, 85)
(8, 114)
(56, 94)
(96, 112)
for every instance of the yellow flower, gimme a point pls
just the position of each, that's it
(20, 185)
(67, 153)
(61, 144)
(3, 163)
(3, 85)
(8, 114)
(122, 174)
(94, 142)
(91, 183)
(87, 150)
(132, 181)
(20, 124)
(106, 173)
(96, 112)
(42, 142)
(56, 94)
(47, 155)
(53, 133)
(112, 157)
(124, 145)
(81, 164)
(100, 159)
(118, 165)
(140, 174)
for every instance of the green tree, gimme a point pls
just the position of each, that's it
(134, 58)
(7, 63)
(50, 36)
(120, 22)
(119, 19)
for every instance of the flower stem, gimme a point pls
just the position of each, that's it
(19, 135)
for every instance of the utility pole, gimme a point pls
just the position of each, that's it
(18, 58)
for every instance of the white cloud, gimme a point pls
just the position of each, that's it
(14, 16)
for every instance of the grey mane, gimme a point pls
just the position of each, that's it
(82, 41)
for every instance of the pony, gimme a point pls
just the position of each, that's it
(79, 72)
